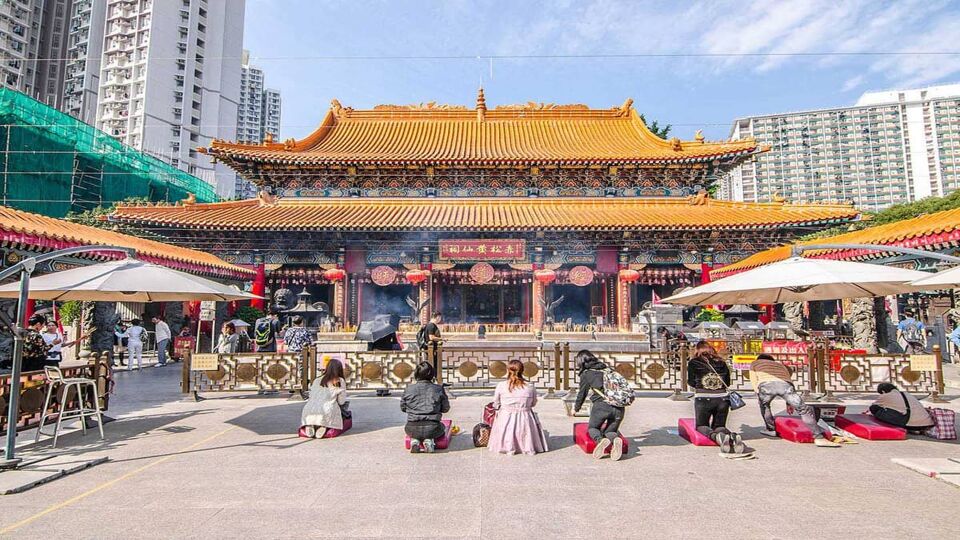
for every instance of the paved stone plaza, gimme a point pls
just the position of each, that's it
(232, 467)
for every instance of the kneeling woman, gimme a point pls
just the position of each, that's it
(424, 401)
(516, 428)
(709, 376)
(605, 418)
(324, 409)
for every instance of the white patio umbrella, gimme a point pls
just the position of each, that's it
(127, 280)
(798, 280)
(947, 279)
(240, 323)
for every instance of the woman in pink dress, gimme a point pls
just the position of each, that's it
(516, 429)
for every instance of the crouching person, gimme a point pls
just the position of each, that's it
(325, 410)
(772, 379)
(424, 401)
(900, 409)
(709, 376)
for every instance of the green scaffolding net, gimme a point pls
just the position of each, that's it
(52, 163)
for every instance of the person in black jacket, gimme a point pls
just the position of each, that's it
(424, 402)
(605, 418)
(709, 376)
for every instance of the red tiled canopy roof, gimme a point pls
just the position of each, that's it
(19, 227)
(923, 232)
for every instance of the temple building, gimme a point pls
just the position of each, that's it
(516, 216)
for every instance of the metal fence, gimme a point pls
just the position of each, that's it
(33, 392)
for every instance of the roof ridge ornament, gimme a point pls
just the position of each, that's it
(624, 109)
(481, 105)
(265, 198)
(698, 136)
(699, 199)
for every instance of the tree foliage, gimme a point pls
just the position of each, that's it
(248, 314)
(97, 217)
(654, 127)
(70, 311)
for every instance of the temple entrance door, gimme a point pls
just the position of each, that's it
(576, 304)
(482, 303)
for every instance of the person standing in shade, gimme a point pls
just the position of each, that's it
(772, 379)
(428, 339)
(911, 333)
(229, 340)
(51, 335)
(162, 334)
(297, 337)
(134, 335)
(265, 331)
(35, 348)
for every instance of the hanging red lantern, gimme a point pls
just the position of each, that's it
(416, 276)
(334, 274)
(545, 277)
(629, 276)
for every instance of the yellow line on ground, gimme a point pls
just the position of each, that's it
(107, 484)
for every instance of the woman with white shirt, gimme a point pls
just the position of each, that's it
(134, 336)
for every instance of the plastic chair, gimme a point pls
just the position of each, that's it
(54, 378)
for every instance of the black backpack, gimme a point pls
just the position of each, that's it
(263, 332)
(422, 340)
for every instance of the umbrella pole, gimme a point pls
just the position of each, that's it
(10, 461)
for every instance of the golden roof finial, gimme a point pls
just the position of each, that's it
(268, 138)
(481, 105)
(698, 136)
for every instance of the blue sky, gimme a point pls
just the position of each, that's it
(290, 38)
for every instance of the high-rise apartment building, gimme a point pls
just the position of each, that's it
(157, 90)
(20, 24)
(888, 148)
(258, 115)
(84, 49)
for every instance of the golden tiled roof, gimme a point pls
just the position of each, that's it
(927, 231)
(451, 135)
(19, 227)
(485, 214)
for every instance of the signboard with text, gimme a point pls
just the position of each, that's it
(482, 250)
(204, 362)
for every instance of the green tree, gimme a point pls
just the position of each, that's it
(897, 212)
(97, 217)
(654, 127)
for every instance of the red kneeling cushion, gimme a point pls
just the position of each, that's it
(583, 440)
(442, 443)
(792, 428)
(687, 428)
(331, 432)
(867, 427)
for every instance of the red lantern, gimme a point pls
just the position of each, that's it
(416, 276)
(629, 276)
(545, 277)
(334, 274)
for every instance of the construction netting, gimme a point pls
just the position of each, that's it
(52, 163)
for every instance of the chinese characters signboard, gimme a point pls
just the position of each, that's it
(482, 250)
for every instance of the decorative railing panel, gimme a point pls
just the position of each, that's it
(863, 372)
(646, 370)
(378, 369)
(252, 371)
(484, 368)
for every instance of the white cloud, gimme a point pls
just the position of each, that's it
(789, 31)
(852, 83)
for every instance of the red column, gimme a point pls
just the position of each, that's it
(536, 306)
(623, 305)
(259, 284)
(31, 307)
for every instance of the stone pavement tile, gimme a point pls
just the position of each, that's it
(932, 467)
(88, 522)
(321, 519)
